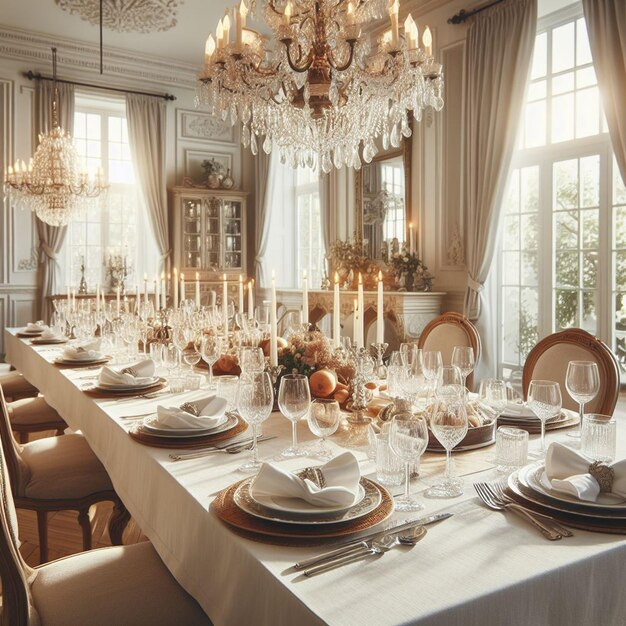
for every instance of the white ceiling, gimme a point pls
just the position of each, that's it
(183, 43)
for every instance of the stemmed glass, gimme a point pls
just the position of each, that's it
(463, 358)
(191, 353)
(433, 362)
(450, 383)
(255, 399)
(544, 400)
(493, 395)
(169, 357)
(252, 359)
(294, 399)
(409, 352)
(211, 351)
(412, 381)
(408, 438)
(582, 382)
(323, 420)
(448, 422)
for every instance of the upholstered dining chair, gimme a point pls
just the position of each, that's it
(32, 415)
(549, 358)
(16, 387)
(445, 332)
(126, 585)
(58, 474)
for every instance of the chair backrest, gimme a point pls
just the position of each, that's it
(12, 449)
(16, 575)
(448, 330)
(549, 358)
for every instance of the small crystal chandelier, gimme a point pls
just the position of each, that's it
(318, 91)
(52, 185)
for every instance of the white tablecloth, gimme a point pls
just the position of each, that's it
(478, 568)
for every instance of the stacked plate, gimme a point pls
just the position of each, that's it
(531, 487)
(95, 360)
(151, 427)
(520, 416)
(120, 388)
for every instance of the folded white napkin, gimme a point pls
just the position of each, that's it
(341, 475)
(49, 334)
(211, 415)
(35, 327)
(83, 351)
(517, 409)
(144, 370)
(568, 471)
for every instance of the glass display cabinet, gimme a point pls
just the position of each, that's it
(211, 227)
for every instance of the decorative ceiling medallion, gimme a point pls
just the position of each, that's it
(126, 16)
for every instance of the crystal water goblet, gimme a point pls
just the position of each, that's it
(323, 420)
(211, 352)
(408, 438)
(582, 382)
(294, 400)
(463, 358)
(545, 401)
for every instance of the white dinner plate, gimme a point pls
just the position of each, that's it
(534, 477)
(372, 498)
(32, 333)
(117, 387)
(300, 507)
(101, 359)
(226, 423)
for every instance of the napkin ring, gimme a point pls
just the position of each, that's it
(603, 474)
(315, 475)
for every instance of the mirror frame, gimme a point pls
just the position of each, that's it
(405, 150)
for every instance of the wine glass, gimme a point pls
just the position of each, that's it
(463, 358)
(211, 350)
(433, 362)
(544, 400)
(255, 399)
(294, 399)
(408, 438)
(409, 352)
(450, 384)
(582, 382)
(252, 359)
(191, 353)
(323, 420)
(412, 381)
(493, 395)
(448, 422)
(169, 357)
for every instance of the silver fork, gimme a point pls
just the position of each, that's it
(501, 496)
(485, 495)
(234, 447)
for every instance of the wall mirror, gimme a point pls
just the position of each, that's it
(383, 199)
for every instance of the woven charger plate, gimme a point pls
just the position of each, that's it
(295, 534)
(78, 364)
(98, 393)
(140, 435)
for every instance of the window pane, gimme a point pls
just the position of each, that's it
(511, 233)
(529, 320)
(563, 83)
(535, 124)
(530, 232)
(566, 184)
(583, 52)
(566, 309)
(590, 269)
(530, 189)
(620, 271)
(563, 47)
(590, 228)
(511, 203)
(586, 77)
(619, 189)
(563, 117)
(93, 126)
(590, 181)
(530, 269)
(510, 328)
(566, 230)
(510, 263)
(540, 56)
(619, 227)
(587, 112)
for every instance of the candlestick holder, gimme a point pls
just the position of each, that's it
(380, 370)
(82, 287)
(274, 372)
(363, 371)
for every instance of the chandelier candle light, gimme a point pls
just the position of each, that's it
(52, 185)
(316, 90)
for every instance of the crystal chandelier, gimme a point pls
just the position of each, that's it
(318, 91)
(52, 185)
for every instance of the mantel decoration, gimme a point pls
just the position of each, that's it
(52, 185)
(318, 90)
(401, 270)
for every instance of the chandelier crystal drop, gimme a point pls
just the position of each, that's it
(319, 91)
(52, 185)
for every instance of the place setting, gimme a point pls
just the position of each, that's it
(79, 354)
(31, 330)
(132, 380)
(49, 336)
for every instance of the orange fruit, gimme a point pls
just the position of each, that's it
(265, 345)
(323, 383)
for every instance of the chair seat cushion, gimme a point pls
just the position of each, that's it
(34, 411)
(61, 468)
(119, 585)
(15, 386)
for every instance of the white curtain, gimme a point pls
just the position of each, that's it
(50, 237)
(500, 43)
(146, 117)
(606, 25)
(265, 168)
(330, 187)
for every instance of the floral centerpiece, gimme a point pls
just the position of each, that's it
(349, 259)
(410, 272)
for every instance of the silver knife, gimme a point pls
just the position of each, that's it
(373, 535)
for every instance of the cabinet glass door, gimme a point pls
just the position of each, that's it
(212, 234)
(192, 220)
(232, 215)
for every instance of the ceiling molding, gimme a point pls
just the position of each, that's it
(421, 7)
(78, 59)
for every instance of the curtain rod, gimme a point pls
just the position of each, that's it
(33, 76)
(462, 15)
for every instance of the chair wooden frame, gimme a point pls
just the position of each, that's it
(607, 363)
(118, 520)
(457, 319)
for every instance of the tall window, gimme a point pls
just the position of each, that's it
(117, 227)
(565, 205)
(310, 250)
(392, 182)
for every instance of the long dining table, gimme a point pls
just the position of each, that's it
(480, 567)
